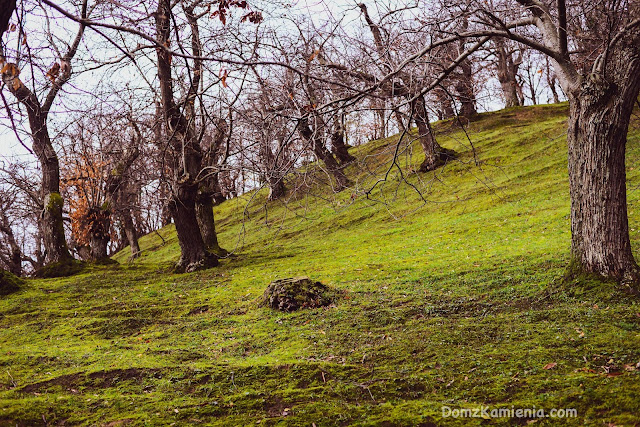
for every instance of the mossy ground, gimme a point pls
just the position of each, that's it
(448, 297)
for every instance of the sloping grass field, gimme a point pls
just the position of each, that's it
(451, 295)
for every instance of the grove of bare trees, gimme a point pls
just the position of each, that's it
(133, 113)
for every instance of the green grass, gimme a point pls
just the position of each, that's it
(450, 295)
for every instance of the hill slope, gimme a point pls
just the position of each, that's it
(450, 298)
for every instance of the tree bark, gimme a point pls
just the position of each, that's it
(14, 256)
(130, 231)
(445, 109)
(507, 72)
(6, 10)
(186, 148)
(206, 222)
(465, 89)
(600, 109)
(99, 220)
(598, 124)
(321, 151)
(338, 145)
(273, 175)
(435, 155)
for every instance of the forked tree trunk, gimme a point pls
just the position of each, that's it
(434, 155)
(193, 255)
(338, 145)
(186, 149)
(206, 222)
(507, 72)
(323, 154)
(597, 137)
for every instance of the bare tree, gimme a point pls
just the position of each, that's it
(51, 220)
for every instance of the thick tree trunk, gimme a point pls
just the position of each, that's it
(218, 195)
(465, 85)
(338, 145)
(277, 189)
(186, 148)
(206, 222)
(193, 253)
(14, 257)
(510, 93)
(600, 108)
(597, 137)
(99, 220)
(507, 71)
(434, 155)
(321, 151)
(53, 238)
(445, 109)
(465, 89)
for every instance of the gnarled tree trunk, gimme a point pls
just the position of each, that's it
(186, 149)
(435, 155)
(600, 108)
(99, 219)
(598, 124)
(206, 222)
(321, 151)
(338, 145)
(507, 72)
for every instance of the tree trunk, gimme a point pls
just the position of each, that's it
(465, 89)
(193, 254)
(99, 220)
(277, 189)
(338, 145)
(206, 222)
(186, 149)
(510, 93)
(434, 155)
(14, 257)
(445, 109)
(323, 154)
(597, 136)
(465, 84)
(6, 10)
(130, 231)
(507, 72)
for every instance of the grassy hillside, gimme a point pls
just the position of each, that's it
(450, 296)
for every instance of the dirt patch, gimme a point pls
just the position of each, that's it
(94, 380)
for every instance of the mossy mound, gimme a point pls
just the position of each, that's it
(60, 269)
(9, 283)
(295, 293)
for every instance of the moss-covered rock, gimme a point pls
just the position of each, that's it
(9, 283)
(295, 293)
(60, 269)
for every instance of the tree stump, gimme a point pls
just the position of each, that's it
(295, 293)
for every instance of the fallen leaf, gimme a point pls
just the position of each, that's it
(550, 365)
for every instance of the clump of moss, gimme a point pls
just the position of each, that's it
(60, 269)
(296, 293)
(9, 283)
